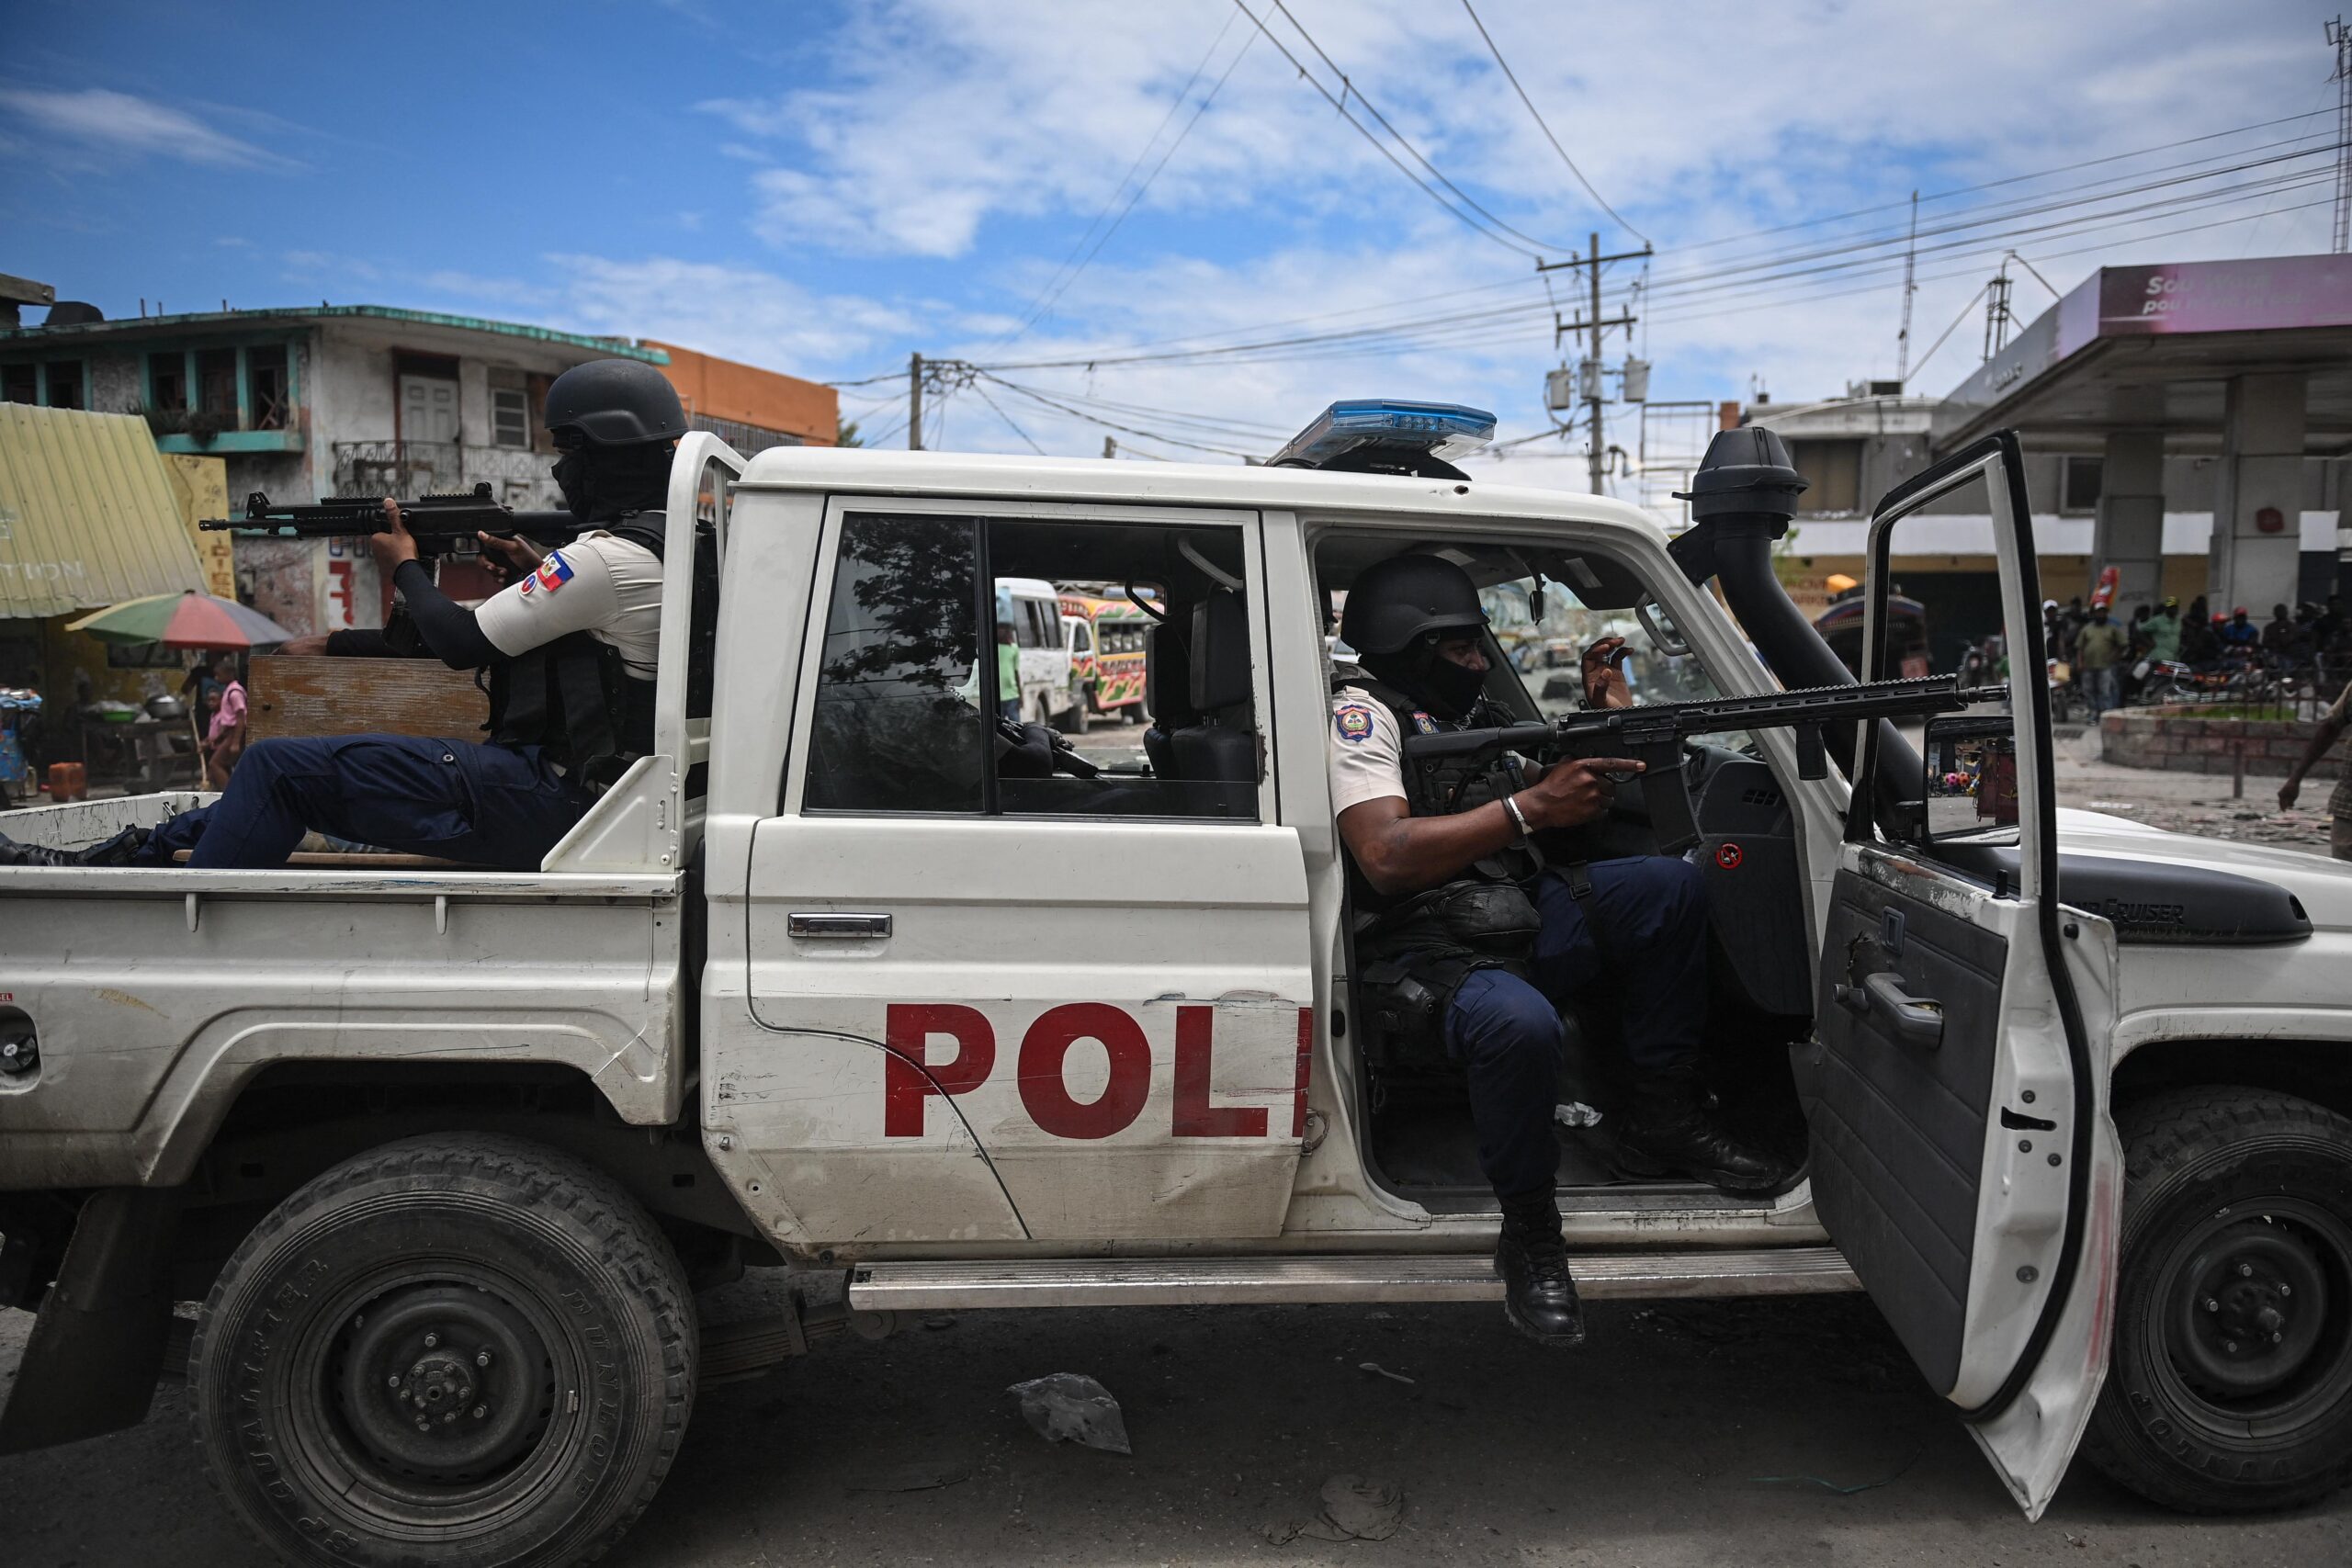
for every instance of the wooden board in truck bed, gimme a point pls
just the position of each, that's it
(363, 697)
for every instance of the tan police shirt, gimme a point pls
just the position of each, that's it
(1367, 750)
(608, 587)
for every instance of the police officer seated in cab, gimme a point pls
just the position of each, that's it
(570, 648)
(1447, 886)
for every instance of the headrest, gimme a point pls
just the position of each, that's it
(1220, 652)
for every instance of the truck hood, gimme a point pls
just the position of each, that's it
(2322, 884)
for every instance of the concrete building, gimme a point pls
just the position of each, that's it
(2148, 449)
(366, 400)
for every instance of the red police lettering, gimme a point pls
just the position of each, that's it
(1045, 1051)
(1195, 1117)
(909, 1078)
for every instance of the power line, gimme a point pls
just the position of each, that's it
(1145, 151)
(1055, 291)
(1426, 189)
(1016, 429)
(1036, 396)
(1992, 185)
(1537, 115)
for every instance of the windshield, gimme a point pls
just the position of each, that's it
(1545, 630)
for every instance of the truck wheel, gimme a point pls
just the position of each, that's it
(448, 1349)
(1082, 712)
(2230, 1385)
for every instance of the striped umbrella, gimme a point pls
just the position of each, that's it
(182, 620)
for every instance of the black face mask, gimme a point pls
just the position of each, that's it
(1449, 690)
(570, 476)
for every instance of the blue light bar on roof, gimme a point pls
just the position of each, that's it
(1441, 430)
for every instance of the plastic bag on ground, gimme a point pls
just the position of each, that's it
(1354, 1508)
(1069, 1407)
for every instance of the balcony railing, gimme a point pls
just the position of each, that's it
(517, 476)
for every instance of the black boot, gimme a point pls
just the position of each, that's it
(120, 850)
(1539, 1295)
(1667, 1129)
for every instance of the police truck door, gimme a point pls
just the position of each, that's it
(1955, 1086)
(1002, 999)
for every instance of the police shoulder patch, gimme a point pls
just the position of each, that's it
(1424, 723)
(1353, 722)
(554, 572)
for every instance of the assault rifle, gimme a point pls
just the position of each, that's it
(444, 525)
(1653, 735)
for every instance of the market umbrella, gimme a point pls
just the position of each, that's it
(182, 620)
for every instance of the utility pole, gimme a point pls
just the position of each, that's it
(2340, 37)
(1903, 338)
(1589, 373)
(1997, 311)
(914, 402)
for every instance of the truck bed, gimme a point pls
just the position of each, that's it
(161, 993)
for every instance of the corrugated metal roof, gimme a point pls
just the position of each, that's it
(86, 513)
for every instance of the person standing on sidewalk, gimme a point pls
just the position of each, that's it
(2339, 804)
(2099, 648)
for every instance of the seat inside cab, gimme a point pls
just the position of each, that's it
(1545, 606)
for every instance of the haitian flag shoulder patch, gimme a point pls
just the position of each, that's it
(553, 573)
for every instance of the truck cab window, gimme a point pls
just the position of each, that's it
(921, 708)
(895, 728)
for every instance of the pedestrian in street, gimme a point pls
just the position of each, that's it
(2099, 648)
(1008, 671)
(2339, 803)
(225, 738)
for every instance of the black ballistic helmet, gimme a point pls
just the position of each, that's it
(1404, 597)
(613, 402)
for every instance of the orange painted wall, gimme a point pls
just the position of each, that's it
(720, 389)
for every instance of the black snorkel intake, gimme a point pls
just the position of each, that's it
(1742, 497)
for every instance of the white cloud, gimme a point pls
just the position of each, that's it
(737, 312)
(102, 121)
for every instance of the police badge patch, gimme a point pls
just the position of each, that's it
(1424, 723)
(1353, 722)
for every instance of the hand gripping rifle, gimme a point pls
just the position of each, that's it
(442, 525)
(1653, 735)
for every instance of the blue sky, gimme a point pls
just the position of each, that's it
(824, 187)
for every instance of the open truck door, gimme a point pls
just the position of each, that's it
(1955, 1086)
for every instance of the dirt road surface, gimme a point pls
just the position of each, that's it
(1684, 1434)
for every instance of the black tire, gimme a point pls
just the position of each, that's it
(331, 1331)
(2237, 1229)
(1081, 713)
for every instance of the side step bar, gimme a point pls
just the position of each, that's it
(1284, 1280)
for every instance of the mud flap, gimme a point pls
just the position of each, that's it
(91, 1363)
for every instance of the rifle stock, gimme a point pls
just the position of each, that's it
(1653, 735)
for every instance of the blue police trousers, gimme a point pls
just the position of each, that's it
(489, 805)
(1647, 936)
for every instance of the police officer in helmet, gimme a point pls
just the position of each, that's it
(569, 646)
(1481, 891)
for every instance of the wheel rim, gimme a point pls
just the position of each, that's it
(2254, 1308)
(392, 1416)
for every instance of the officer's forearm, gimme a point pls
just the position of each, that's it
(447, 627)
(1402, 853)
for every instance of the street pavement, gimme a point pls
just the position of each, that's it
(1684, 1434)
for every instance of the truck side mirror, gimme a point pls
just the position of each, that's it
(1971, 788)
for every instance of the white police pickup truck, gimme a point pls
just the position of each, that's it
(838, 980)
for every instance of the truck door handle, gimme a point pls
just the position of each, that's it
(828, 923)
(1914, 1021)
